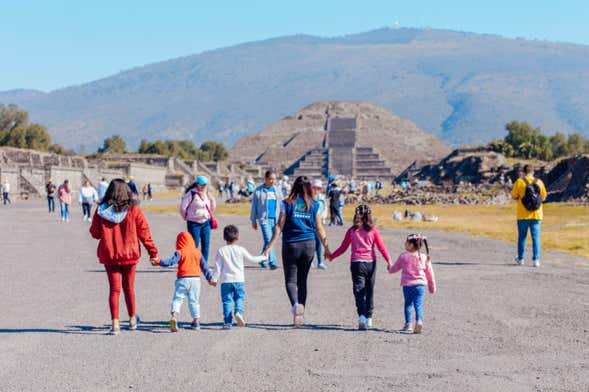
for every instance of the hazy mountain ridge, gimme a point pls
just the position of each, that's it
(462, 87)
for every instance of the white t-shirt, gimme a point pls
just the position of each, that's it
(229, 263)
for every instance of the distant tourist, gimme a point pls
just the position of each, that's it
(530, 193)
(6, 192)
(50, 189)
(299, 222)
(336, 205)
(250, 186)
(144, 191)
(120, 226)
(229, 270)
(64, 192)
(378, 187)
(364, 239)
(191, 265)
(284, 185)
(149, 191)
(264, 212)
(196, 208)
(133, 187)
(319, 197)
(88, 196)
(416, 272)
(102, 187)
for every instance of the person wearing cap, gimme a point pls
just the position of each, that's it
(133, 186)
(266, 201)
(196, 208)
(319, 197)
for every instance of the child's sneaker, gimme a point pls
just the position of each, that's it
(418, 328)
(227, 326)
(362, 323)
(195, 325)
(407, 329)
(321, 266)
(518, 261)
(536, 263)
(298, 315)
(369, 322)
(263, 264)
(239, 319)
(173, 325)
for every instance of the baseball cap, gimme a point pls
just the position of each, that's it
(202, 180)
(317, 184)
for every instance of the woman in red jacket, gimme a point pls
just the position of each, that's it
(119, 225)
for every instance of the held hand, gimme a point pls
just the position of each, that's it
(212, 283)
(255, 226)
(154, 261)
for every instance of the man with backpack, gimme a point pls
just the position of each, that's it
(530, 193)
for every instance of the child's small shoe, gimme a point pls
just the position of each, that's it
(407, 329)
(369, 322)
(240, 319)
(263, 264)
(418, 328)
(195, 325)
(227, 326)
(321, 266)
(173, 325)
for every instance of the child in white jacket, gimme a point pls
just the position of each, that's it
(229, 270)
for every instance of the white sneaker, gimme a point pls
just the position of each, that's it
(518, 261)
(63, 219)
(239, 319)
(362, 323)
(536, 263)
(298, 312)
(369, 322)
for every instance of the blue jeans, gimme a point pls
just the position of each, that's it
(267, 229)
(534, 226)
(413, 299)
(187, 287)
(201, 232)
(65, 210)
(51, 203)
(232, 294)
(318, 249)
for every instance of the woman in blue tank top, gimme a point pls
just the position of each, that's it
(299, 221)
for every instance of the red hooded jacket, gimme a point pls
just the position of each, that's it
(119, 242)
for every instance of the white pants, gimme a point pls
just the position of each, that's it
(187, 287)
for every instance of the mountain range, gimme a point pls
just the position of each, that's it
(461, 87)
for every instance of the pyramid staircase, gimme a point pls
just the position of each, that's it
(313, 164)
(369, 164)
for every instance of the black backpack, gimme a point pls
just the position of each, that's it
(532, 199)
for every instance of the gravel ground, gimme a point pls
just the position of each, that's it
(492, 326)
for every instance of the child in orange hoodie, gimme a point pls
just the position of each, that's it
(190, 267)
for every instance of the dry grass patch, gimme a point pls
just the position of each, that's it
(565, 227)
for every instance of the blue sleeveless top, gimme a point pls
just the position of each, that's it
(299, 224)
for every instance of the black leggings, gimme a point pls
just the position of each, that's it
(86, 208)
(296, 261)
(363, 279)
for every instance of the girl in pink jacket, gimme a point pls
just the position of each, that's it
(364, 238)
(416, 272)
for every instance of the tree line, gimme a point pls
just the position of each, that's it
(17, 131)
(523, 141)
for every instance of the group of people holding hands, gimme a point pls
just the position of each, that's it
(120, 226)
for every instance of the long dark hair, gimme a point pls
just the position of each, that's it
(363, 218)
(301, 188)
(419, 241)
(119, 195)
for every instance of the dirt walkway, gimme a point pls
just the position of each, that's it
(492, 326)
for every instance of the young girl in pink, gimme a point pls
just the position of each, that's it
(416, 272)
(363, 237)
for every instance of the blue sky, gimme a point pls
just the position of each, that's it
(53, 44)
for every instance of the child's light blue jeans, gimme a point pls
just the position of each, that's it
(413, 299)
(187, 287)
(232, 293)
